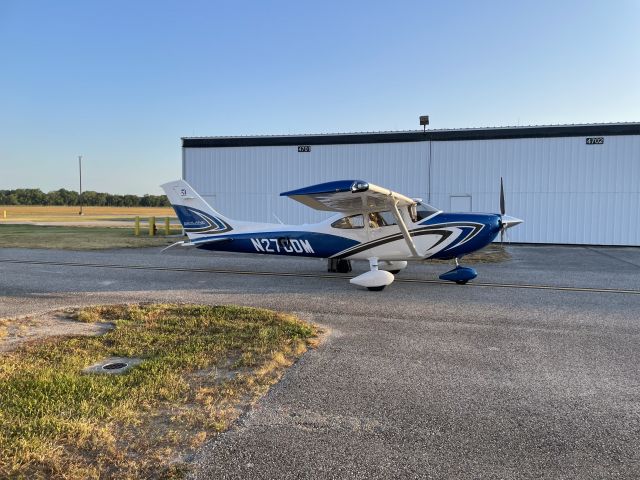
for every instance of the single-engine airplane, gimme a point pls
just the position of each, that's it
(371, 223)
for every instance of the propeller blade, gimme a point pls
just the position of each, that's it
(502, 209)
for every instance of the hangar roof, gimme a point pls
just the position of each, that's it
(492, 133)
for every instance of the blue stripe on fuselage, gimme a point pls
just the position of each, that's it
(459, 247)
(295, 243)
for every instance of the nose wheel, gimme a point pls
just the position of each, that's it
(460, 275)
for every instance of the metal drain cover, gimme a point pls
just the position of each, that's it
(113, 366)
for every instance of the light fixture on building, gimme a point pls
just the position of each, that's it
(424, 121)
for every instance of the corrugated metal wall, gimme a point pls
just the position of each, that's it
(245, 183)
(565, 190)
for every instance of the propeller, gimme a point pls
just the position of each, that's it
(506, 221)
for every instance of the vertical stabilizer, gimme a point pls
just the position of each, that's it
(194, 213)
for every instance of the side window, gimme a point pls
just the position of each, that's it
(388, 218)
(354, 221)
(381, 219)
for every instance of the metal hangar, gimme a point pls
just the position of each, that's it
(572, 184)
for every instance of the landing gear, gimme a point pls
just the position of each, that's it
(344, 266)
(374, 280)
(339, 265)
(460, 275)
(392, 266)
(376, 289)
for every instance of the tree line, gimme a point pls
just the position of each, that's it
(35, 196)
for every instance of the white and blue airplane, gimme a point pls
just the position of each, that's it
(371, 223)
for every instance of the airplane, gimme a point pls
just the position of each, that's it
(371, 223)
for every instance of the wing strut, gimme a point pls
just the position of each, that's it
(403, 228)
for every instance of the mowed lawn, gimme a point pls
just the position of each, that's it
(80, 238)
(62, 227)
(28, 213)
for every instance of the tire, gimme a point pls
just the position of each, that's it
(376, 289)
(344, 266)
(462, 282)
(394, 272)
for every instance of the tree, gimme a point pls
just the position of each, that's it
(35, 196)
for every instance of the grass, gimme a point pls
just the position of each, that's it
(32, 213)
(202, 365)
(78, 238)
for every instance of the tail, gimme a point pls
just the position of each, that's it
(195, 215)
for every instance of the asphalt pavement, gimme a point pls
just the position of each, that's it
(421, 380)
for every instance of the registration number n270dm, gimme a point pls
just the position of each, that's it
(279, 245)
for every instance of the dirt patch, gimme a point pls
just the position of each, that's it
(16, 331)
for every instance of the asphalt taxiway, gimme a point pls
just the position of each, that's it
(529, 372)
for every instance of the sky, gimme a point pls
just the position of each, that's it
(120, 82)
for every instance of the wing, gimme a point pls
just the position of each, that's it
(348, 196)
(355, 196)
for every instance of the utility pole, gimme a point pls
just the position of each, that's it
(80, 195)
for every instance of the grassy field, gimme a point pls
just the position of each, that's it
(18, 213)
(202, 365)
(79, 238)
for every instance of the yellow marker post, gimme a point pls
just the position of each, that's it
(4, 214)
(152, 226)
(136, 228)
(167, 226)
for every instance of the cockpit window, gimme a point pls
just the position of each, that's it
(381, 219)
(420, 211)
(354, 221)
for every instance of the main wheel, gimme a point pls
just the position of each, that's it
(394, 272)
(344, 266)
(462, 282)
(376, 289)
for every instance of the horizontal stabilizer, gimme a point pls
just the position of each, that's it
(182, 243)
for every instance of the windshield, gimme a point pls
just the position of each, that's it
(420, 211)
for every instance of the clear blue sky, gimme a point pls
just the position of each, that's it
(121, 81)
